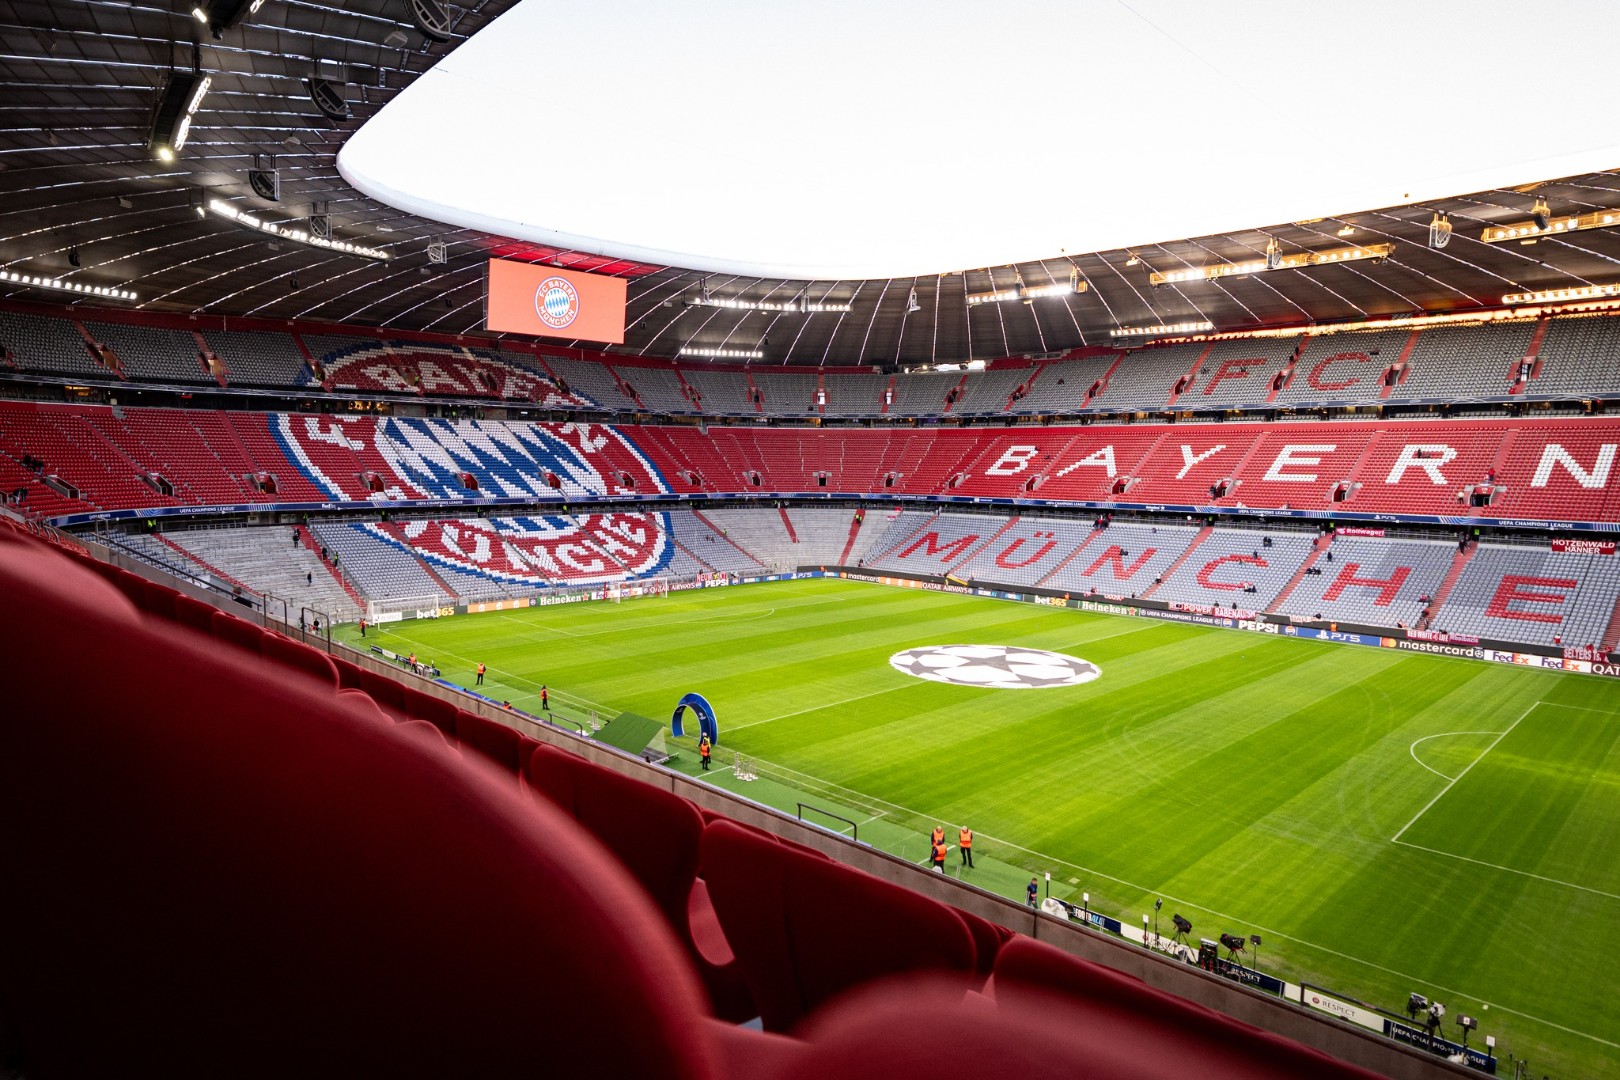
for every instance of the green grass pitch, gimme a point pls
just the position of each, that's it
(1388, 822)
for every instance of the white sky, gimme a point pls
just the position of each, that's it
(891, 138)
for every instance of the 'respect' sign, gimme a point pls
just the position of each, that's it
(548, 302)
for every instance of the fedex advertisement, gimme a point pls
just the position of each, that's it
(547, 302)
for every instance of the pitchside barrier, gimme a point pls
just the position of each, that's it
(1492, 650)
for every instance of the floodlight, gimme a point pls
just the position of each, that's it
(1541, 213)
(1439, 230)
(1274, 256)
(222, 15)
(1467, 1022)
(177, 103)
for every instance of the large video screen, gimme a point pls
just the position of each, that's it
(548, 302)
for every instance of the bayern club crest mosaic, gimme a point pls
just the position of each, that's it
(998, 667)
(556, 302)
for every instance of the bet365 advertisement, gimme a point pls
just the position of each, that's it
(548, 302)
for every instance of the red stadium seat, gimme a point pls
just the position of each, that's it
(805, 930)
(499, 744)
(250, 876)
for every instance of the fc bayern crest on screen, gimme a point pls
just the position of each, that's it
(997, 667)
(556, 302)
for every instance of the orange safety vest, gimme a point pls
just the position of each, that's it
(480, 669)
(967, 838)
(703, 747)
(939, 853)
(939, 837)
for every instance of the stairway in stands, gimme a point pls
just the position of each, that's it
(1197, 541)
(1458, 561)
(1317, 551)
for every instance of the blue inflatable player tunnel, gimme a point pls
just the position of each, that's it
(705, 717)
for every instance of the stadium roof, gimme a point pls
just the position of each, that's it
(80, 78)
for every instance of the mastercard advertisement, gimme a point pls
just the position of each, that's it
(548, 302)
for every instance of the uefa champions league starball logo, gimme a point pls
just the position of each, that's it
(999, 667)
(556, 302)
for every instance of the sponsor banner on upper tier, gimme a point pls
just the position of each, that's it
(1345, 1009)
(1584, 547)
(1358, 530)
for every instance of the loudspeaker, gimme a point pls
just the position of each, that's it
(266, 183)
(329, 96)
(431, 18)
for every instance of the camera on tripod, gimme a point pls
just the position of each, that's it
(1233, 942)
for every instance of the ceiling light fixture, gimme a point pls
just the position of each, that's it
(1560, 296)
(177, 103)
(722, 354)
(1348, 230)
(1274, 254)
(1597, 219)
(34, 281)
(912, 307)
(286, 231)
(1284, 262)
(1029, 293)
(798, 303)
(1162, 329)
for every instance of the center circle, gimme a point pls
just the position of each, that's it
(999, 667)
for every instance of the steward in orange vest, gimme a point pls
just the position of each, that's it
(939, 856)
(704, 749)
(965, 843)
(938, 837)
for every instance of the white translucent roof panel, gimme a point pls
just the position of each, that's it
(887, 138)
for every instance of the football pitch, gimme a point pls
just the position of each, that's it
(1388, 822)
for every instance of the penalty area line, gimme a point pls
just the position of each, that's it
(1509, 870)
(1453, 781)
(1413, 748)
